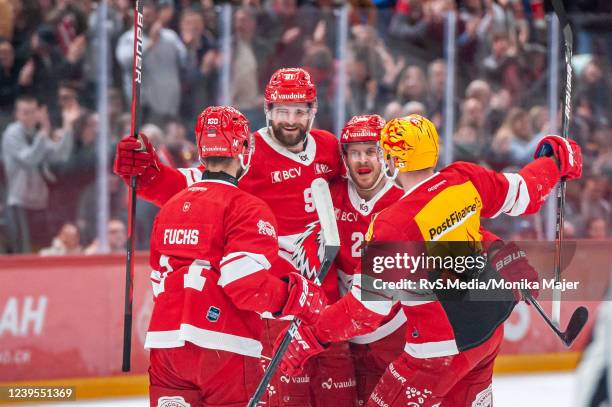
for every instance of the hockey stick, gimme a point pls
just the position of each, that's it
(567, 110)
(577, 321)
(134, 129)
(325, 211)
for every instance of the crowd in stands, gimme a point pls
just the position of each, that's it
(395, 65)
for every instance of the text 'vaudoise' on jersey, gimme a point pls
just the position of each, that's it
(211, 247)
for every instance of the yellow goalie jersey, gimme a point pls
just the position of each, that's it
(447, 206)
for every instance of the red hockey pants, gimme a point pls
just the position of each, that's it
(448, 381)
(199, 377)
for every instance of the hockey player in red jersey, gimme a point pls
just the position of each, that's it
(213, 251)
(289, 155)
(365, 192)
(450, 348)
(362, 193)
(356, 198)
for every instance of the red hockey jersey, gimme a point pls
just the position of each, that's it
(211, 248)
(276, 175)
(282, 179)
(353, 216)
(279, 177)
(445, 207)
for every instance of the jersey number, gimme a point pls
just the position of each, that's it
(309, 206)
(357, 239)
(192, 279)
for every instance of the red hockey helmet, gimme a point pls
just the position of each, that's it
(290, 85)
(362, 129)
(222, 131)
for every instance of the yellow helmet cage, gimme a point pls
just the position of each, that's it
(412, 140)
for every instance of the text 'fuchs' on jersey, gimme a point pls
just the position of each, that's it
(187, 235)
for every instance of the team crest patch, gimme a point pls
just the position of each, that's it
(213, 314)
(174, 401)
(266, 228)
(484, 398)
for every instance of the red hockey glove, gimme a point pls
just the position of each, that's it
(567, 153)
(306, 299)
(134, 158)
(511, 263)
(303, 346)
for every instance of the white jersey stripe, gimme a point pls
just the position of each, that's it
(431, 349)
(416, 303)
(260, 258)
(382, 331)
(517, 198)
(381, 306)
(203, 338)
(242, 266)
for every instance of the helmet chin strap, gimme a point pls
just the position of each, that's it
(386, 170)
(268, 126)
(310, 123)
(245, 163)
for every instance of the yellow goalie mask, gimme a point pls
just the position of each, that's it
(413, 141)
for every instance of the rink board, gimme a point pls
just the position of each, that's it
(62, 323)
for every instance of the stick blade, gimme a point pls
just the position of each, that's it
(325, 210)
(574, 327)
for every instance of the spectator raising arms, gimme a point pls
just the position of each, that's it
(27, 144)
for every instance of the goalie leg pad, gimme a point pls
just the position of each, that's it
(167, 386)
(413, 382)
